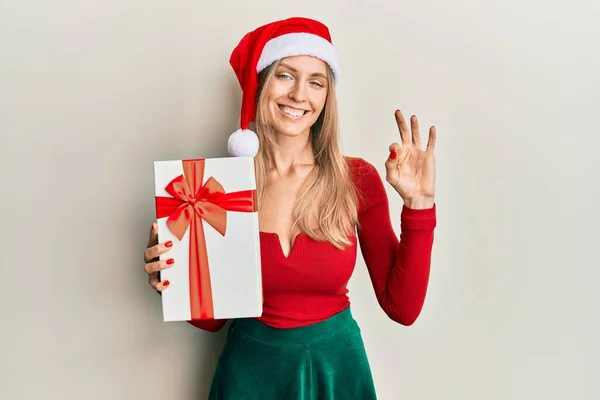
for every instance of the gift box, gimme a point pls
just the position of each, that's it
(207, 208)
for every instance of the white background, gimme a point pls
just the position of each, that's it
(93, 92)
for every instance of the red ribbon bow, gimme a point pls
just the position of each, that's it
(191, 202)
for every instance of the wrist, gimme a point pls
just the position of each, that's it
(419, 203)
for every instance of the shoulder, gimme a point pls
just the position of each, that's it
(361, 171)
(367, 182)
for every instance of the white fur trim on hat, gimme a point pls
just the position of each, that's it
(299, 44)
(242, 143)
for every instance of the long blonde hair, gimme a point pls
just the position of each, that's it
(328, 195)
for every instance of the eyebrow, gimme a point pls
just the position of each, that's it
(282, 64)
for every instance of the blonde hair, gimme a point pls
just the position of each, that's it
(328, 195)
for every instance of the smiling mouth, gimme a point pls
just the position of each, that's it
(292, 112)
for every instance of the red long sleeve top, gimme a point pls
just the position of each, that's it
(310, 284)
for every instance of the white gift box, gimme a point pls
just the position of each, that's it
(207, 208)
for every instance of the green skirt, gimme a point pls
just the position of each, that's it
(323, 361)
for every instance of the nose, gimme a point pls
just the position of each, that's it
(298, 92)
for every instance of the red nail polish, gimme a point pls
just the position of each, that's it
(392, 154)
(166, 283)
(169, 244)
(170, 261)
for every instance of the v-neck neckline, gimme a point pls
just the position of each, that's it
(275, 236)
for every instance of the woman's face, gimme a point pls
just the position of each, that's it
(297, 94)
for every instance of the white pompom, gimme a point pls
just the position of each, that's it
(243, 143)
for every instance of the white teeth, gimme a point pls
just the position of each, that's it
(292, 112)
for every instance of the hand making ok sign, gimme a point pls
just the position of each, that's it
(409, 169)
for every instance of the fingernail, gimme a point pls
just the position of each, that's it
(392, 154)
(169, 244)
(170, 261)
(166, 283)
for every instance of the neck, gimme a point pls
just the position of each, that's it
(291, 152)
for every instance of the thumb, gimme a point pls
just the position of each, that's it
(153, 235)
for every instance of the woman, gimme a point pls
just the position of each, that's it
(315, 207)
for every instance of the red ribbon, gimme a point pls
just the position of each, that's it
(191, 202)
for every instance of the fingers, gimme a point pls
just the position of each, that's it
(431, 140)
(154, 252)
(153, 265)
(415, 134)
(414, 129)
(402, 127)
(157, 266)
(394, 149)
(162, 286)
(414, 139)
(392, 161)
(156, 284)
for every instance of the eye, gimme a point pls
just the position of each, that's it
(283, 76)
(319, 84)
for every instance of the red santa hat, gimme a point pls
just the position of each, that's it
(260, 48)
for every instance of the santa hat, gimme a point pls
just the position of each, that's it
(260, 48)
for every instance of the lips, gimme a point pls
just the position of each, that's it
(292, 112)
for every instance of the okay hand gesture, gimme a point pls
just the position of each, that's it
(409, 169)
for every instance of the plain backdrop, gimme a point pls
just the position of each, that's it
(92, 92)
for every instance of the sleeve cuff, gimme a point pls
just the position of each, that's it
(418, 219)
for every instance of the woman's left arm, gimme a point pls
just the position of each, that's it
(399, 268)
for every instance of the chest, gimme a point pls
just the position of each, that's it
(276, 216)
(311, 266)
